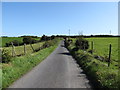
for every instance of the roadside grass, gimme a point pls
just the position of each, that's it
(20, 65)
(98, 72)
(0, 77)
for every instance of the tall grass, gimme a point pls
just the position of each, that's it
(19, 50)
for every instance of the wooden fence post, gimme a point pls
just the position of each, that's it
(24, 48)
(92, 47)
(109, 59)
(32, 47)
(13, 50)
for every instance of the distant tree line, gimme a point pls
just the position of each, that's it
(85, 36)
(32, 39)
(29, 36)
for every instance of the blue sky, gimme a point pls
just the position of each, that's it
(38, 18)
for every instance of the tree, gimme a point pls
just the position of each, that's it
(52, 37)
(43, 38)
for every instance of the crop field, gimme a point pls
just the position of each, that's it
(101, 46)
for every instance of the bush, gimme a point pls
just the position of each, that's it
(46, 38)
(81, 44)
(52, 37)
(8, 44)
(27, 40)
(48, 44)
(33, 41)
(43, 38)
(67, 42)
(5, 56)
(15, 43)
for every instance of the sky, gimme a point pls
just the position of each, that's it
(57, 18)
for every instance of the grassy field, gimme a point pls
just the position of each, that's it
(101, 46)
(98, 71)
(9, 39)
(20, 49)
(20, 65)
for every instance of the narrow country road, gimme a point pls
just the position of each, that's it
(59, 70)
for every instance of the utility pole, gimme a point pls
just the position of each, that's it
(69, 32)
(110, 32)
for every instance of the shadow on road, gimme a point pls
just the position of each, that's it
(65, 53)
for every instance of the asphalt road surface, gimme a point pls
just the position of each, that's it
(58, 70)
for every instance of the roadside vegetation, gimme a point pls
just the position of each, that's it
(14, 67)
(19, 50)
(96, 69)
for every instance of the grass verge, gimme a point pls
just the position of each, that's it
(97, 71)
(20, 65)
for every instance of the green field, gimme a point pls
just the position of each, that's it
(99, 72)
(101, 46)
(9, 39)
(19, 50)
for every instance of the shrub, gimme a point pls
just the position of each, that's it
(52, 37)
(81, 44)
(15, 43)
(43, 38)
(48, 44)
(7, 44)
(67, 42)
(33, 41)
(5, 56)
(27, 40)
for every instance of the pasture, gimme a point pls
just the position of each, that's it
(5, 40)
(99, 72)
(19, 50)
(101, 46)
(9, 39)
